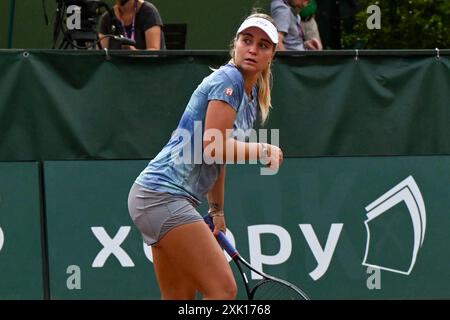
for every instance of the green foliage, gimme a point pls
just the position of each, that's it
(405, 24)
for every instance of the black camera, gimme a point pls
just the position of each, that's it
(88, 13)
(76, 23)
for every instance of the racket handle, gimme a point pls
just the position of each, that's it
(221, 238)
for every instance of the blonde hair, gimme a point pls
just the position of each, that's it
(264, 82)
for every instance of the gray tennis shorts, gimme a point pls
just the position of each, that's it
(155, 213)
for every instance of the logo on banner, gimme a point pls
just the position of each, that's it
(395, 221)
(395, 225)
(2, 239)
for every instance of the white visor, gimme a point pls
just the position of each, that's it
(263, 24)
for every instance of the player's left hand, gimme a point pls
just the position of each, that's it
(219, 225)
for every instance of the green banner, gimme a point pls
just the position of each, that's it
(375, 105)
(85, 105)
(21, 275)
(94, 252)
(338, 227)
(347, 227)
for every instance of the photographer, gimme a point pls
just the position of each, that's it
(134, 19)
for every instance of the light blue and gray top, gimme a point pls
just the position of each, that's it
(194, 178)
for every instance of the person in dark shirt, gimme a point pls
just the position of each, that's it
(138, 20)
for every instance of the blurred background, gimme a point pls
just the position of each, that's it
(405, 24)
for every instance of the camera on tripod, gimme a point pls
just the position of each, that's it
(76, 23)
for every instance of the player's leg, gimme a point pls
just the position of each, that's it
(149, 211)
(192, 250)
(186, 255)
(172, 283)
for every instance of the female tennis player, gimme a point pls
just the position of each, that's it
(162, 201)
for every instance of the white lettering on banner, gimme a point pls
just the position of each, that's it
(74, 280)
(323, 256)
(374, 280)
(73, 20)
(374, 21)
(111, 246)
(2, 239)
(257, 259)
(148, 252)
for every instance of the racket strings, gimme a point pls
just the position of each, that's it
(273, 290)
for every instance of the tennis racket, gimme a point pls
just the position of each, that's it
(269, 287)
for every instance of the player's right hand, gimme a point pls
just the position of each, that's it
(275, 157)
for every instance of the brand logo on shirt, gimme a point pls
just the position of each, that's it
(229, 91)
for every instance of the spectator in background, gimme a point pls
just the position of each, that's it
(290, 31)
(138, 20)
(309, 24)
